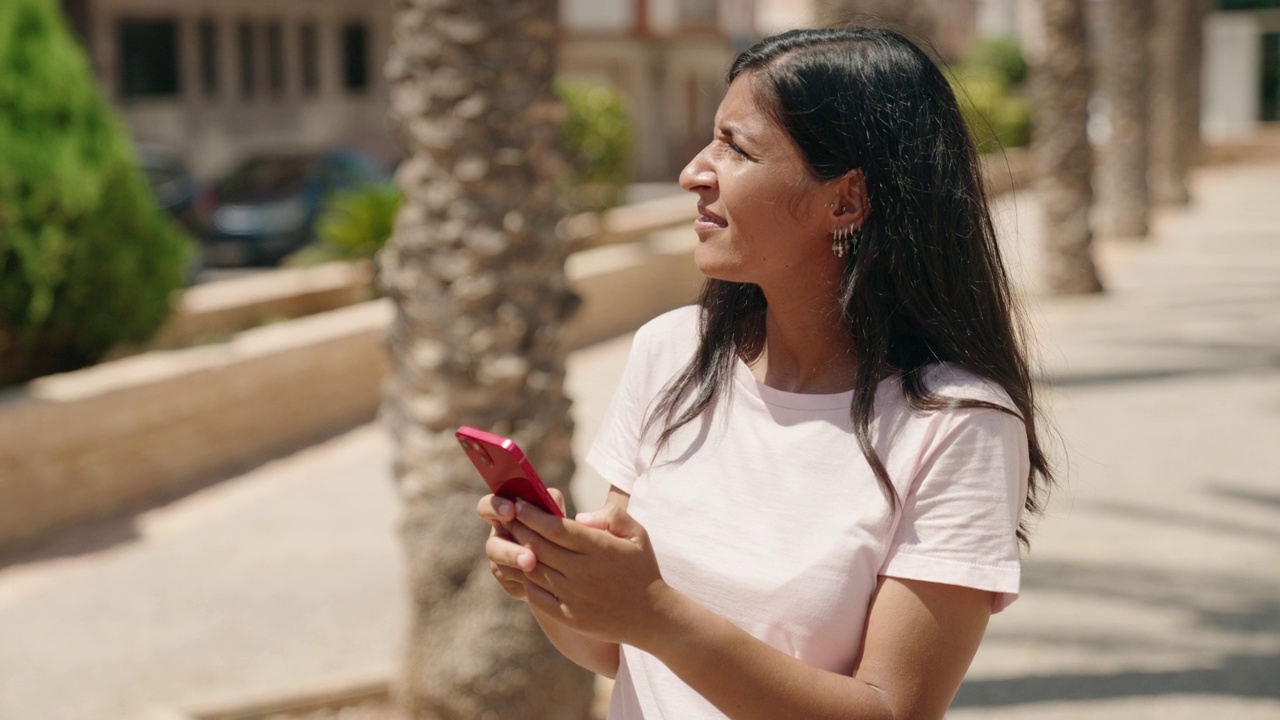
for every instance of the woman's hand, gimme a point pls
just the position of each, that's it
(508, 561)
(596, 574)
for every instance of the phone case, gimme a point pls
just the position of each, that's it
(505, 469)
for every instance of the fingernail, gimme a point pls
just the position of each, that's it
(519, 506)
(586, 517)
(503, 507)
(525, 561)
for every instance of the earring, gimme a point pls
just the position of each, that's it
(845, 239)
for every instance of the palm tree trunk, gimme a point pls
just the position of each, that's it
(1061, 149)
(1124, 71)
(918, 17)
(1177, 55)
(1193, 46)
(477, 276)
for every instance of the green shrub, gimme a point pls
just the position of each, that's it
(354, 225)
(1003, 55)
(87, 259)
(596, 137)
(995, 116)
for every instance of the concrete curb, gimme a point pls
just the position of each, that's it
(331, 695)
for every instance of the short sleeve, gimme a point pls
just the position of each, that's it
(960, 516)
(659, 350)
(617, 445)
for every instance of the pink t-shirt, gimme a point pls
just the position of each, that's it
(765, 511)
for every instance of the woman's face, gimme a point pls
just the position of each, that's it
(764, 219)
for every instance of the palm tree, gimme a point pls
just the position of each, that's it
(1177, 50)
(1060, 146)
(918, 18)
(476, 274)
(1124, 70)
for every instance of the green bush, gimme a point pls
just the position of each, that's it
(996, 116)
(354, 225)
(1003, 55)
(596, 137)
(87, 259)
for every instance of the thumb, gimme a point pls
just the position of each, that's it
(558, 497)
(613, 519)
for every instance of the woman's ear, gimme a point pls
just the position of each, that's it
(851, 207)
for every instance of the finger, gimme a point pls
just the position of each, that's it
(558, 497)
(565, 533)
(496, 509)
(544, 551)
(511, 554)
(614, 519)
(544, 602)
(512, 581)
(592, 520)
(548, 580)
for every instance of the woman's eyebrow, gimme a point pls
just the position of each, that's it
(733, 131)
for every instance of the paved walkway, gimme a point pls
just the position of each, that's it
(1153, 588)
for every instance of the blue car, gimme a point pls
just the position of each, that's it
(267, 206)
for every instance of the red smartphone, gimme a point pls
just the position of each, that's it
(505, 469)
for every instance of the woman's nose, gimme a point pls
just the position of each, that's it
(697, 175)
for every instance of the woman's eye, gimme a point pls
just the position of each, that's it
(735, 148)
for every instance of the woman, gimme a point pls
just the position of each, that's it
(819, 472)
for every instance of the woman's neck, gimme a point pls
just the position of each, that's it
(806, 349)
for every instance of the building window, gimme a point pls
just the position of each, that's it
(148, 58)
(275, 59)
(248, 59)
(208, 33)
(355, 55)
(310, 48)
(698, 12)
(1270, 100)
(1248, 4)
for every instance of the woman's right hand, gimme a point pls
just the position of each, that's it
(508, 560)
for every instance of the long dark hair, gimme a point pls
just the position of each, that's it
(926, 283)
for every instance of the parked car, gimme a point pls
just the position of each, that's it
(171, 183)
(267, 206)
(175, 190)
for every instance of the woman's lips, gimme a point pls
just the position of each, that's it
(709, 219)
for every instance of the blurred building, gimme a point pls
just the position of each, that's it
(1241, 85)
(669, 57)
(215, 80)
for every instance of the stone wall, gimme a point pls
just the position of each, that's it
(135, 431)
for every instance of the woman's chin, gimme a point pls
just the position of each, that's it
(712, 264)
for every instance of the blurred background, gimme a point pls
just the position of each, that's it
(199, 517)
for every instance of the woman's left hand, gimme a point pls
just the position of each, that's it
(596, 574)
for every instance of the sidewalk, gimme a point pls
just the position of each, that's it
(1153, 586)
(1152, 589)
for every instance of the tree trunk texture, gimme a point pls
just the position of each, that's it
(1193, 45)
(476, 272)
(1060, 147)
(1177, 56)
(917, 18)
(1123, 74)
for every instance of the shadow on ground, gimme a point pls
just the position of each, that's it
(1218, 604)
(1245, 676)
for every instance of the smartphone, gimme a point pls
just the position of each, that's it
(505, 468)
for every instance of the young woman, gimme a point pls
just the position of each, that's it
(818, 472)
